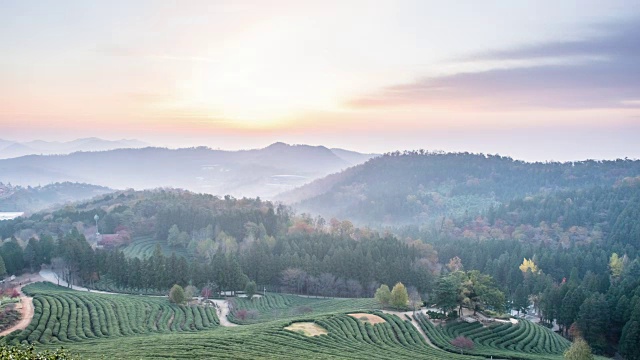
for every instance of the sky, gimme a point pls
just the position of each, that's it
(535, 80)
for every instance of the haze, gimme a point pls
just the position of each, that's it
(540, 81)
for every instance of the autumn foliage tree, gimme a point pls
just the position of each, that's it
(383, 295)
(462, 343)
(528, 265)
(399, 296)
(579, 350)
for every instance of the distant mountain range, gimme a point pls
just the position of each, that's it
(260, 172)
(12, 149)
(31, 199)
(415, 188)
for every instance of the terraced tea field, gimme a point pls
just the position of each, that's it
(279, 307)
(63, 315)
(143, 247)
(287, 327)
(522, 341)
(347, 338)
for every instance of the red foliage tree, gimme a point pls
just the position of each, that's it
(206, 292)
(241, 314)
(462, 343)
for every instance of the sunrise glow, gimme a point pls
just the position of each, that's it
(230, 73)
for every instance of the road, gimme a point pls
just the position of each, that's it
(26, 308)
(222, 310)
(50, 276)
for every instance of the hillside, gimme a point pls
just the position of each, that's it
(261, 172)
(12, 149)
(31, 199)
(417, 187)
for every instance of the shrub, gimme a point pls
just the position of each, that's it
(176, 295)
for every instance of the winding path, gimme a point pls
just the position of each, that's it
(50, 276)
(222, 310)
(26, 308)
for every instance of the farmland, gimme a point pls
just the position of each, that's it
(286, 327)
(143, 247)
(278, 307)
(63, 316)
(524, 340)
(346, 338)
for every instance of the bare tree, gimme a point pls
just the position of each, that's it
(415, 301)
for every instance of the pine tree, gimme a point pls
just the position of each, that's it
(174, 236)
(631, 336)
(3, 269)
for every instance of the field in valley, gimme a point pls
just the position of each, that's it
(283, 327)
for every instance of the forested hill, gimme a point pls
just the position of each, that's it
(259, 172)
(30, 199)
(415, 187)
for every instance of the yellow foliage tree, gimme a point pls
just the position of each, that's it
(528, 265)
(616, 265)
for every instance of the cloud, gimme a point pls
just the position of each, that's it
(597, 72)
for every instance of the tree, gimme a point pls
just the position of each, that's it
(399, 296)
(250, 289)
(462, 343)
(3, 269)
(484, 292)
(579, 350)
(383, 295)
(174, 236)
(616, 266)
(520, 299)
(183, 239)
(190, 291)
(528, 265)
(414, 299)
(455, 264)
(176, 294)
(593, 321)
(631, 336)
(446, 293)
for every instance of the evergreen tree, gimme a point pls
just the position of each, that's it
(3, 269)
(173, 238)
(630, 340)
(446, 294)
(250, 289)
(593, 321)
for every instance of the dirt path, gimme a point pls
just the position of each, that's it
(26, 304)
(222, 310)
